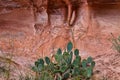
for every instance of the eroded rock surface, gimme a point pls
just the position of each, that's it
(32, 38)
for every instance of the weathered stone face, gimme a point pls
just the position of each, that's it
(31, 38)
(91, 31)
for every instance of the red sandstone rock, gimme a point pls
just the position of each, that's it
(90, 34)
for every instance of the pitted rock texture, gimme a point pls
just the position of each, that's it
(108, 65)
(28, 37)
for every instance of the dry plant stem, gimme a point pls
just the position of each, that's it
(73, 39)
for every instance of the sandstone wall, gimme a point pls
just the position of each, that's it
(29, 38)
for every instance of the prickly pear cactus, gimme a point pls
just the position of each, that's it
(65, 66)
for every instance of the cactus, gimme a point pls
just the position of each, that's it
(77, 61)
(116, 43)
(65, 66)
(69, 46)
(66, 76)
(59, 51)
(76, 52)
(47, 60)
(93, 64)
(84, 63)
(67, 57)
(89, 72)
(89, 59)
(39, 65)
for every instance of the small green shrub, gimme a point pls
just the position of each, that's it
(26, 77)
(65, 67)
(6, 66)
(116, 43)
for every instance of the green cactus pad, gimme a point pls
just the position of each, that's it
(40, 67)
(66, 76)
(69, 46)
(76, 52)
(47, 60)
(89, 59)
(41, 61)
(59, 51)
(84, 63)
(89, 72)
(93, 64)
